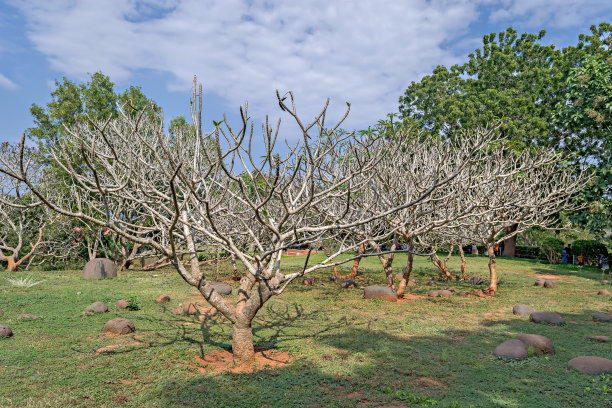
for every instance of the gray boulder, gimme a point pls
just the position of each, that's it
(119, 326)
(5, 331)
(547, 317)
(603, 292)
(476, 280)
(602, 317)
(550, 284)
(539, 282)
(591, 365)
(380, 292)
(97, 307)
(511, 350)
(522, 310)
(541, 344)
(99, 268)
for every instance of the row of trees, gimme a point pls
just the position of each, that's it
(184, 191)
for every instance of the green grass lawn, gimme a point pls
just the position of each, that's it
(346, 351)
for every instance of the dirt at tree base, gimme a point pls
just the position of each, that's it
(223, 361)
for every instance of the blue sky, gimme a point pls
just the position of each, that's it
(364, 52)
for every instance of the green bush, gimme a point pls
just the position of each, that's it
(589, 248)
(552, 248)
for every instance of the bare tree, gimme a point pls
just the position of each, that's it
(198, 189)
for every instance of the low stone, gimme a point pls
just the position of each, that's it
(308, 281)
(539, 282)
(119, 326)
(547, 317)
(550, 284)
(163, 298)
(513, 349)
(347, 283)
(431, 283)
(190, 309)
(28, 316)
(97, 307)
(445, 293)
(5, 331)
(522, 310)
(602, 317)
(122, 304)
(222, 288)
(541, 344)
(604, 292)
(476, 280)
(591, 365)
(433, 293)
(333, 278)
(380, 292)
(601, 339)
(99, 268)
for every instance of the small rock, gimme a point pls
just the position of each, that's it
(222, 288)
(163, 298)
(433, 293)
(119, 326)
(511, 349)
(603, 292)
(547, 317)
(190, 309)
(5, 331)
(550, 284)
(380, 292)
(539, 282)
(78, 293)
(308, 280)
(347, 283)
(122, 304)
(541, 344)
(601, 339)
(522, 310)
(97, 307)
(333, 278)
(445, 293)
(431, 283)
(602, 317)
(476, 280)
(27, 316)
(591, 365)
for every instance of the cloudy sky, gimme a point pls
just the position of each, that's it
(364, 52)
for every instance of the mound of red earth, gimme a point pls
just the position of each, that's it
(348, 283)
(309, 280)
(163, 298)
(604, 292)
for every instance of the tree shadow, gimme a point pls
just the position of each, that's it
(373, 366)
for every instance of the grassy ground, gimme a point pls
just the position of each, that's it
(346, 351)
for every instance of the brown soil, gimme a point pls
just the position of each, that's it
(222, 361)
(430, 382)
(116, 346)
(408, 296)
(549, 276)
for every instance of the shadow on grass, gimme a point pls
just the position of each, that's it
(358, 366)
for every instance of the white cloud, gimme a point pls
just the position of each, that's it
(364, 52)
(558, 13)
(7, 83)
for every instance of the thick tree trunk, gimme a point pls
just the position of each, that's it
(11, 265)
(407, 271)
(492, 270)
(510, 243)
(463, 272)
(442, 264)
(242, 343)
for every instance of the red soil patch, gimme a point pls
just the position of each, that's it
(431, 382)
(550, 276)
(222, 361)
(481, 294)
(408, 296)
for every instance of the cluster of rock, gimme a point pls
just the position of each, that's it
(446, 292)
(547, 283)
(518, 348)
